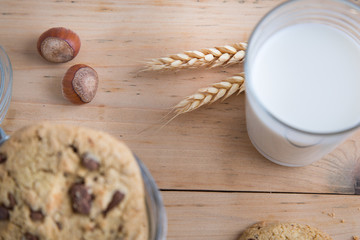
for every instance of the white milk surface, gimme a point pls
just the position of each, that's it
(308, 76)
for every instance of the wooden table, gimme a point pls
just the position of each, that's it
(214, 183)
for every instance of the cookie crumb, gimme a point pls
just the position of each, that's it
(331, 215)
(342, 220)
(356, 238)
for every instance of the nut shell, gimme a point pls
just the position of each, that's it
(80, 84)
(58, 45)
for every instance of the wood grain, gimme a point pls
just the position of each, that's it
(204, 150)
(217, 216)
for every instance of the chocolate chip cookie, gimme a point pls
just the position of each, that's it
(282, 231)
(67, 182)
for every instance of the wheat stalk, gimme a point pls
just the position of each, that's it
(208, 95)
(208, 57)
(203, 96)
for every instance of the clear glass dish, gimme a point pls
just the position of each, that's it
(5, 84)
(155, 206)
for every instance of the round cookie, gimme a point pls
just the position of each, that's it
(282, 231)
(67, 182)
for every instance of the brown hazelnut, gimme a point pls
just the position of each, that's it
(80, 83)
(58, 45)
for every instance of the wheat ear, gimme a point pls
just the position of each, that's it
(208, 95)
(208, 57)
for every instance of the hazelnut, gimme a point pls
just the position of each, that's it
(80, 83)
(58, 45)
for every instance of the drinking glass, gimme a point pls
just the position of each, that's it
(274, 139)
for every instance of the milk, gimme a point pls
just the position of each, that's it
(304, 78)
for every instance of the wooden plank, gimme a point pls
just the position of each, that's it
(205, 157)
(217, 216)
(207, 149)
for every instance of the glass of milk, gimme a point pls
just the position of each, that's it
(303, 80)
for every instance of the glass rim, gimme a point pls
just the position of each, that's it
(154, 193)
(7, 94)
(246, 67)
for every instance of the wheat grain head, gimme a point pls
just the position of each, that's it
(208, 95)
(208, 57)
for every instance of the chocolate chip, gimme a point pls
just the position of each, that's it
(59, 225)
(74, 148)
(29, 236)
(80, 198)
(37, 216)
(120, 228)
(116, 200)
(4, 214)
(4, 210)
(90, 162)
(3, 158)
(12, 201)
